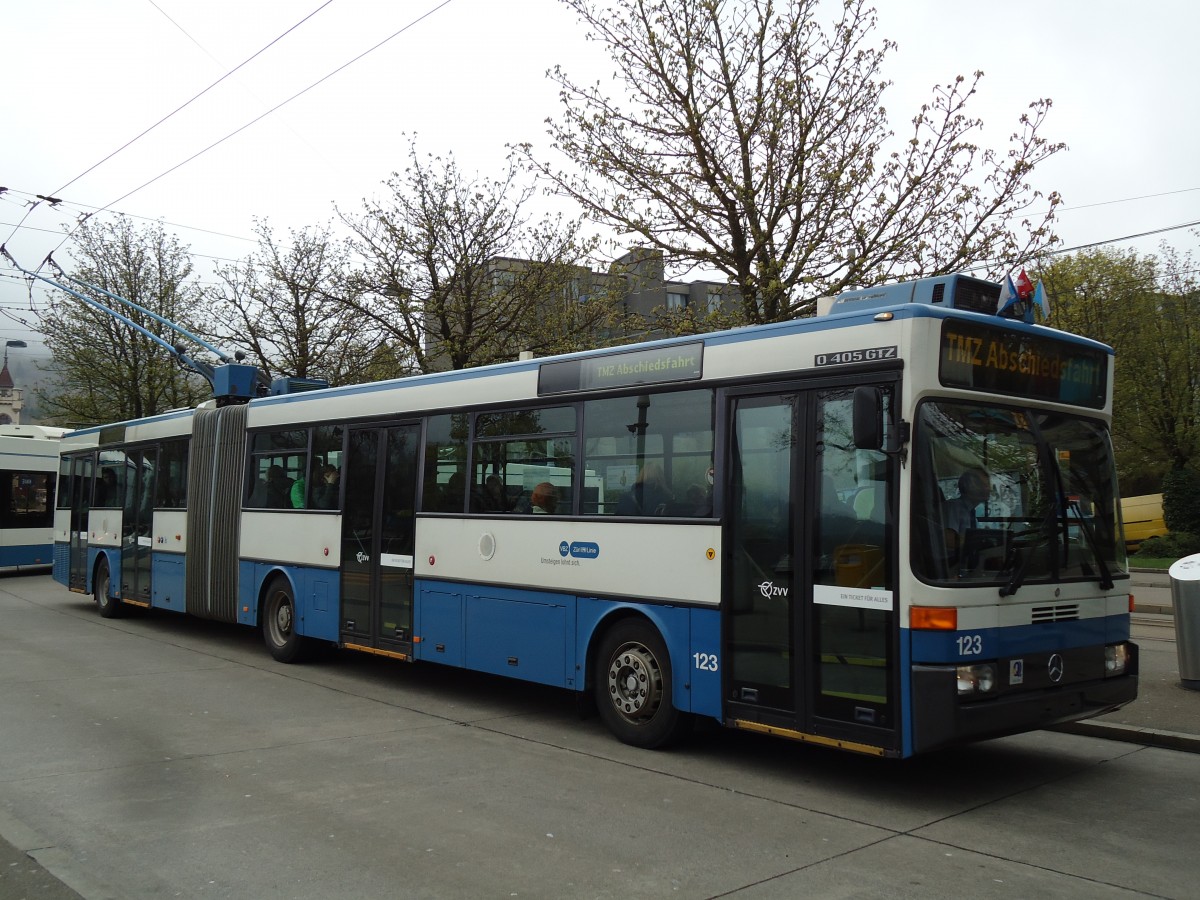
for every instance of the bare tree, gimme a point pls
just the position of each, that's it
(290, 303)
(456, 274)
(754, 142)
(103, 370)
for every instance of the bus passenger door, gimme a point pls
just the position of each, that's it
(853, 670)
(378, 523)
(808, 621)
(135, 525)
(81, 505)
(761, 589)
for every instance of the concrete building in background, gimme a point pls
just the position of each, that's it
(636, 281)
(646, 287)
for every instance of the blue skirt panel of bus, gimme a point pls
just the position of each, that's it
(968, 645)
(315, 591)
(544, 637)
(520, 634)
(536, 636)
(27, 556)
(167, 581)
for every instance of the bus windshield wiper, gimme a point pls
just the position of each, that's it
(1089, 533)
(1020, 572)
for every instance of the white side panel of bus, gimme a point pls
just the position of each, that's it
(62, 526)
(170, 531)
(104, 528)
(789, 351)
(25, 537)
(296, 538)
(595, 558)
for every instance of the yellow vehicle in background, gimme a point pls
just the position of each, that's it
(1143, 518)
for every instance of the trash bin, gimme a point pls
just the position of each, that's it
(1185, 596)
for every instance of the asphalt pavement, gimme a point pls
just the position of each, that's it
(1165, 714)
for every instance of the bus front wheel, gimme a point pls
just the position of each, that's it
(109, 606)
(632, 686)
(279, 624)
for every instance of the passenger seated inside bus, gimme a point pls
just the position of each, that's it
(698, 501)
(544, 499)
(296, 492)
(494, 497)
(325, 494)
(108, 492)
(452, 493)
(649, 495)
(279, 488)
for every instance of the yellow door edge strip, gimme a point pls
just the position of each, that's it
(376, 651)
(788, 733)
(142, 603)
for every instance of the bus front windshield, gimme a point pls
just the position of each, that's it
(1013, 497)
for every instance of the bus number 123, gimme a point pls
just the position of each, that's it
(970, 644)
(705, 662)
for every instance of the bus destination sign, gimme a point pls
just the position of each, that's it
(982, 358)
(662, 365)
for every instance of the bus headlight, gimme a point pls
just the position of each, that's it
(976, 679)
(1115, 658)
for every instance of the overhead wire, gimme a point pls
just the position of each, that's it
(263, 115)
(989, 264)
(188, 34)
(55, 201)
(1065, 208)
(163, 119)
(1128, 237)
(81, 207)
(188, 103)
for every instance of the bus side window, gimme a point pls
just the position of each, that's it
(445, 457)
(649, 455)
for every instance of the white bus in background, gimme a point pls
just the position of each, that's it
(28, 468)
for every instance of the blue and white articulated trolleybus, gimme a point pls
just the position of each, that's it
(890, 528)
(28, 467)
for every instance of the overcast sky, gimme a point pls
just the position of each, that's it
(81, 78)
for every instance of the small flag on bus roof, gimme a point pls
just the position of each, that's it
(1008, 297)
(1040, 300)
(1024, 286)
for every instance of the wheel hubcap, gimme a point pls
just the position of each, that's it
(634, 682)
(283, 619)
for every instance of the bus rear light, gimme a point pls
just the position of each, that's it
(933, 618)
(976, 679)
(1116, 656)
(1131, 609)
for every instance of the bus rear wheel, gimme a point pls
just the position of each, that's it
(109, 606)
(279, 624)
(632, 686)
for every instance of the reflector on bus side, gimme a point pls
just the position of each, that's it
(934, 618)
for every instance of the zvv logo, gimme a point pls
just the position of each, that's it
(769, 589)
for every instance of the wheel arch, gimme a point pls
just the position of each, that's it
(110, 557)
(672, 625)
(269, 577)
